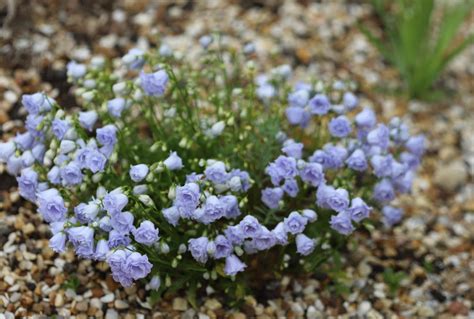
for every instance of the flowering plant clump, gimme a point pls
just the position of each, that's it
(184, 172)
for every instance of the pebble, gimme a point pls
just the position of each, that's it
(180, 304)
(82, 306)
(120, 304)
(59, 300)
(108, 298)
(212, 304)
(364, 308)
(111, 314)
(450, 176)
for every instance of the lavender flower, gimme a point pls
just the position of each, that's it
(171, 215)
(51, 205)
(59, 128)
(233, 265)
(146, 234)
(134, 58)
(298, 98)
(357, 161)
(391, 215)
(154, 84)
(86, 213)
(173, 162)
(319, 104)
(231, 206)
(366, 119)
(295, 223)
(116, 106)
(290, 187)
(293, 149)
(187, 199)
(280, 234)
(213, 210)
(249, 226)
(58, 242)
(107, 135)
(310, 215)
(216, 173)
(28, 183)
(312, 173)
(198, 249)
(82, 238)
(383, 191)
(272, 196)
(115, 201)
(71, 174)
(234, 235)
(33, 102)
(138, 172)
(304, 245)
(340, 126)
(416, 145)
(6, 150)
(88, 119)
(138, 266)
(359, 210)
(117, 239)
(342, 223)
(101, 250)
(350, 101)
(264, 239)
(223, 247)
(76, 70)
(122, 222)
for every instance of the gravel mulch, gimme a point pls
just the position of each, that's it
(421, 268)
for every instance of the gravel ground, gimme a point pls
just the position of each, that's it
(431, 249)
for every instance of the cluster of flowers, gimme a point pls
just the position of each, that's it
(360, 145)
(174, 208)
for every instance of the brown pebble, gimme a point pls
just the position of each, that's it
(97, 292)
(111, 283)
(458, 308)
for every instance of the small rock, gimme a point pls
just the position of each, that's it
(29, 229)
(212, 304)
(180, 304)
(111, 314)
(108, 298)
(59, 300)
(120, 304)
(189, 314)
(82, 306)
(450, 176)
(364, 308)
(458, 308)
(15, 297)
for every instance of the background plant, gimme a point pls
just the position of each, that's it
(420, 40)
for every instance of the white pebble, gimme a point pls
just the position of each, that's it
(108, 298)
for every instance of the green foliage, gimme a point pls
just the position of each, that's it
(418, 42)
(393, 279)
(71, 283)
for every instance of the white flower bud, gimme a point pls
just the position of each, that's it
(90, 84)
(140, 189)
(101, 192)
(172, 193)
(120, 88)
(217, 128)
(235, 184)
(88, 96)
(97, 177)
(66, 146)
(59, 114)
(98, 61)
(145, 199)
(182, 249)
(71, 134)
(164, 248)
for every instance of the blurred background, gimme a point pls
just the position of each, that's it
(413, 59)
